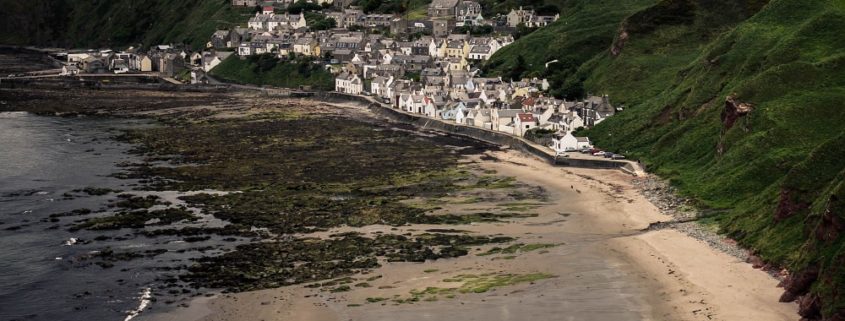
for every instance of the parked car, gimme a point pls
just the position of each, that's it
(599, 153)
(585, 150)
(608, 155)
(617, 156)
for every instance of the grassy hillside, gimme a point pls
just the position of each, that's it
(584, 29)
(267, 70)
(86, 23)
(771, 158)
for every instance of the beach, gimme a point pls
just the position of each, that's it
(578, 248)
(604, 266)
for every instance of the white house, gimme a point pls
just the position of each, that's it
(460, 116)
(567, 142)
(212, 59)
(429, 109)
(379, 85)
(348, 83)
(523, 122)
(70, 70)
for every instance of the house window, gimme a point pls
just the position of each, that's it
(527, 126)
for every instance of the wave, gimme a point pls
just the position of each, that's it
(146, 295)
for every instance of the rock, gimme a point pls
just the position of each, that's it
(799, 283)
(809, 307)
(787, 297)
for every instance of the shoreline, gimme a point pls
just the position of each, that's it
(680, 278)
(608, 206)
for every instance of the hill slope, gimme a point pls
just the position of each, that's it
(81, 23)
(739, 104)
(266, 69)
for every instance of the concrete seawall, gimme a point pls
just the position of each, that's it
(481, 134)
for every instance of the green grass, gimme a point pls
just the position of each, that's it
(681, 60)
(418, 13)
(265, 70)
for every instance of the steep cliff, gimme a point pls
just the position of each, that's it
(739, 104)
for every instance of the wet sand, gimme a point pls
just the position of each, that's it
(604, 267)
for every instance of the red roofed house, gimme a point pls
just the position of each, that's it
(429, 109)
(267, 10)
(528, 103)
(523, 122)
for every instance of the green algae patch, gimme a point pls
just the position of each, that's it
(470, 283)
(375, 299)
(307, 173)
(273, 264)
(484, 284)
(518, 248)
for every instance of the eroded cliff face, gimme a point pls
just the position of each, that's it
(619, 42)
(797, 284)
(788, 205)
(733, 111)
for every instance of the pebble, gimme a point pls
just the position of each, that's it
(663, 196)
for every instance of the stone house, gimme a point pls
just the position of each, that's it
(442, 8)
(467, 10)
(349, 83)
(504, 119)
(220, 39)
(519, 16)
(482, 118)
(441, 28)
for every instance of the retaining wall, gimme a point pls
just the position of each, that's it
(485, 135)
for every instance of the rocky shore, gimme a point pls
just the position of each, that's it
(686, 218)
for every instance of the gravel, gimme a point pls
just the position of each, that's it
(684, 216)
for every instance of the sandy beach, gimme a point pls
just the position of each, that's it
(604, 267)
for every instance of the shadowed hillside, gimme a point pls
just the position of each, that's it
(79, 23)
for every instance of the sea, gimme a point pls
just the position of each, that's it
(46, 270)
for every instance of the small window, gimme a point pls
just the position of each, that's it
(527, 126)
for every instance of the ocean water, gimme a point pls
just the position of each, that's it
(42, 278)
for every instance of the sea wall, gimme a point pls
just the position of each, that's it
(481, 134)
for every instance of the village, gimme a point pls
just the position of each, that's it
(429, 66)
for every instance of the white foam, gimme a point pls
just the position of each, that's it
(71, 241)
(146, 295)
